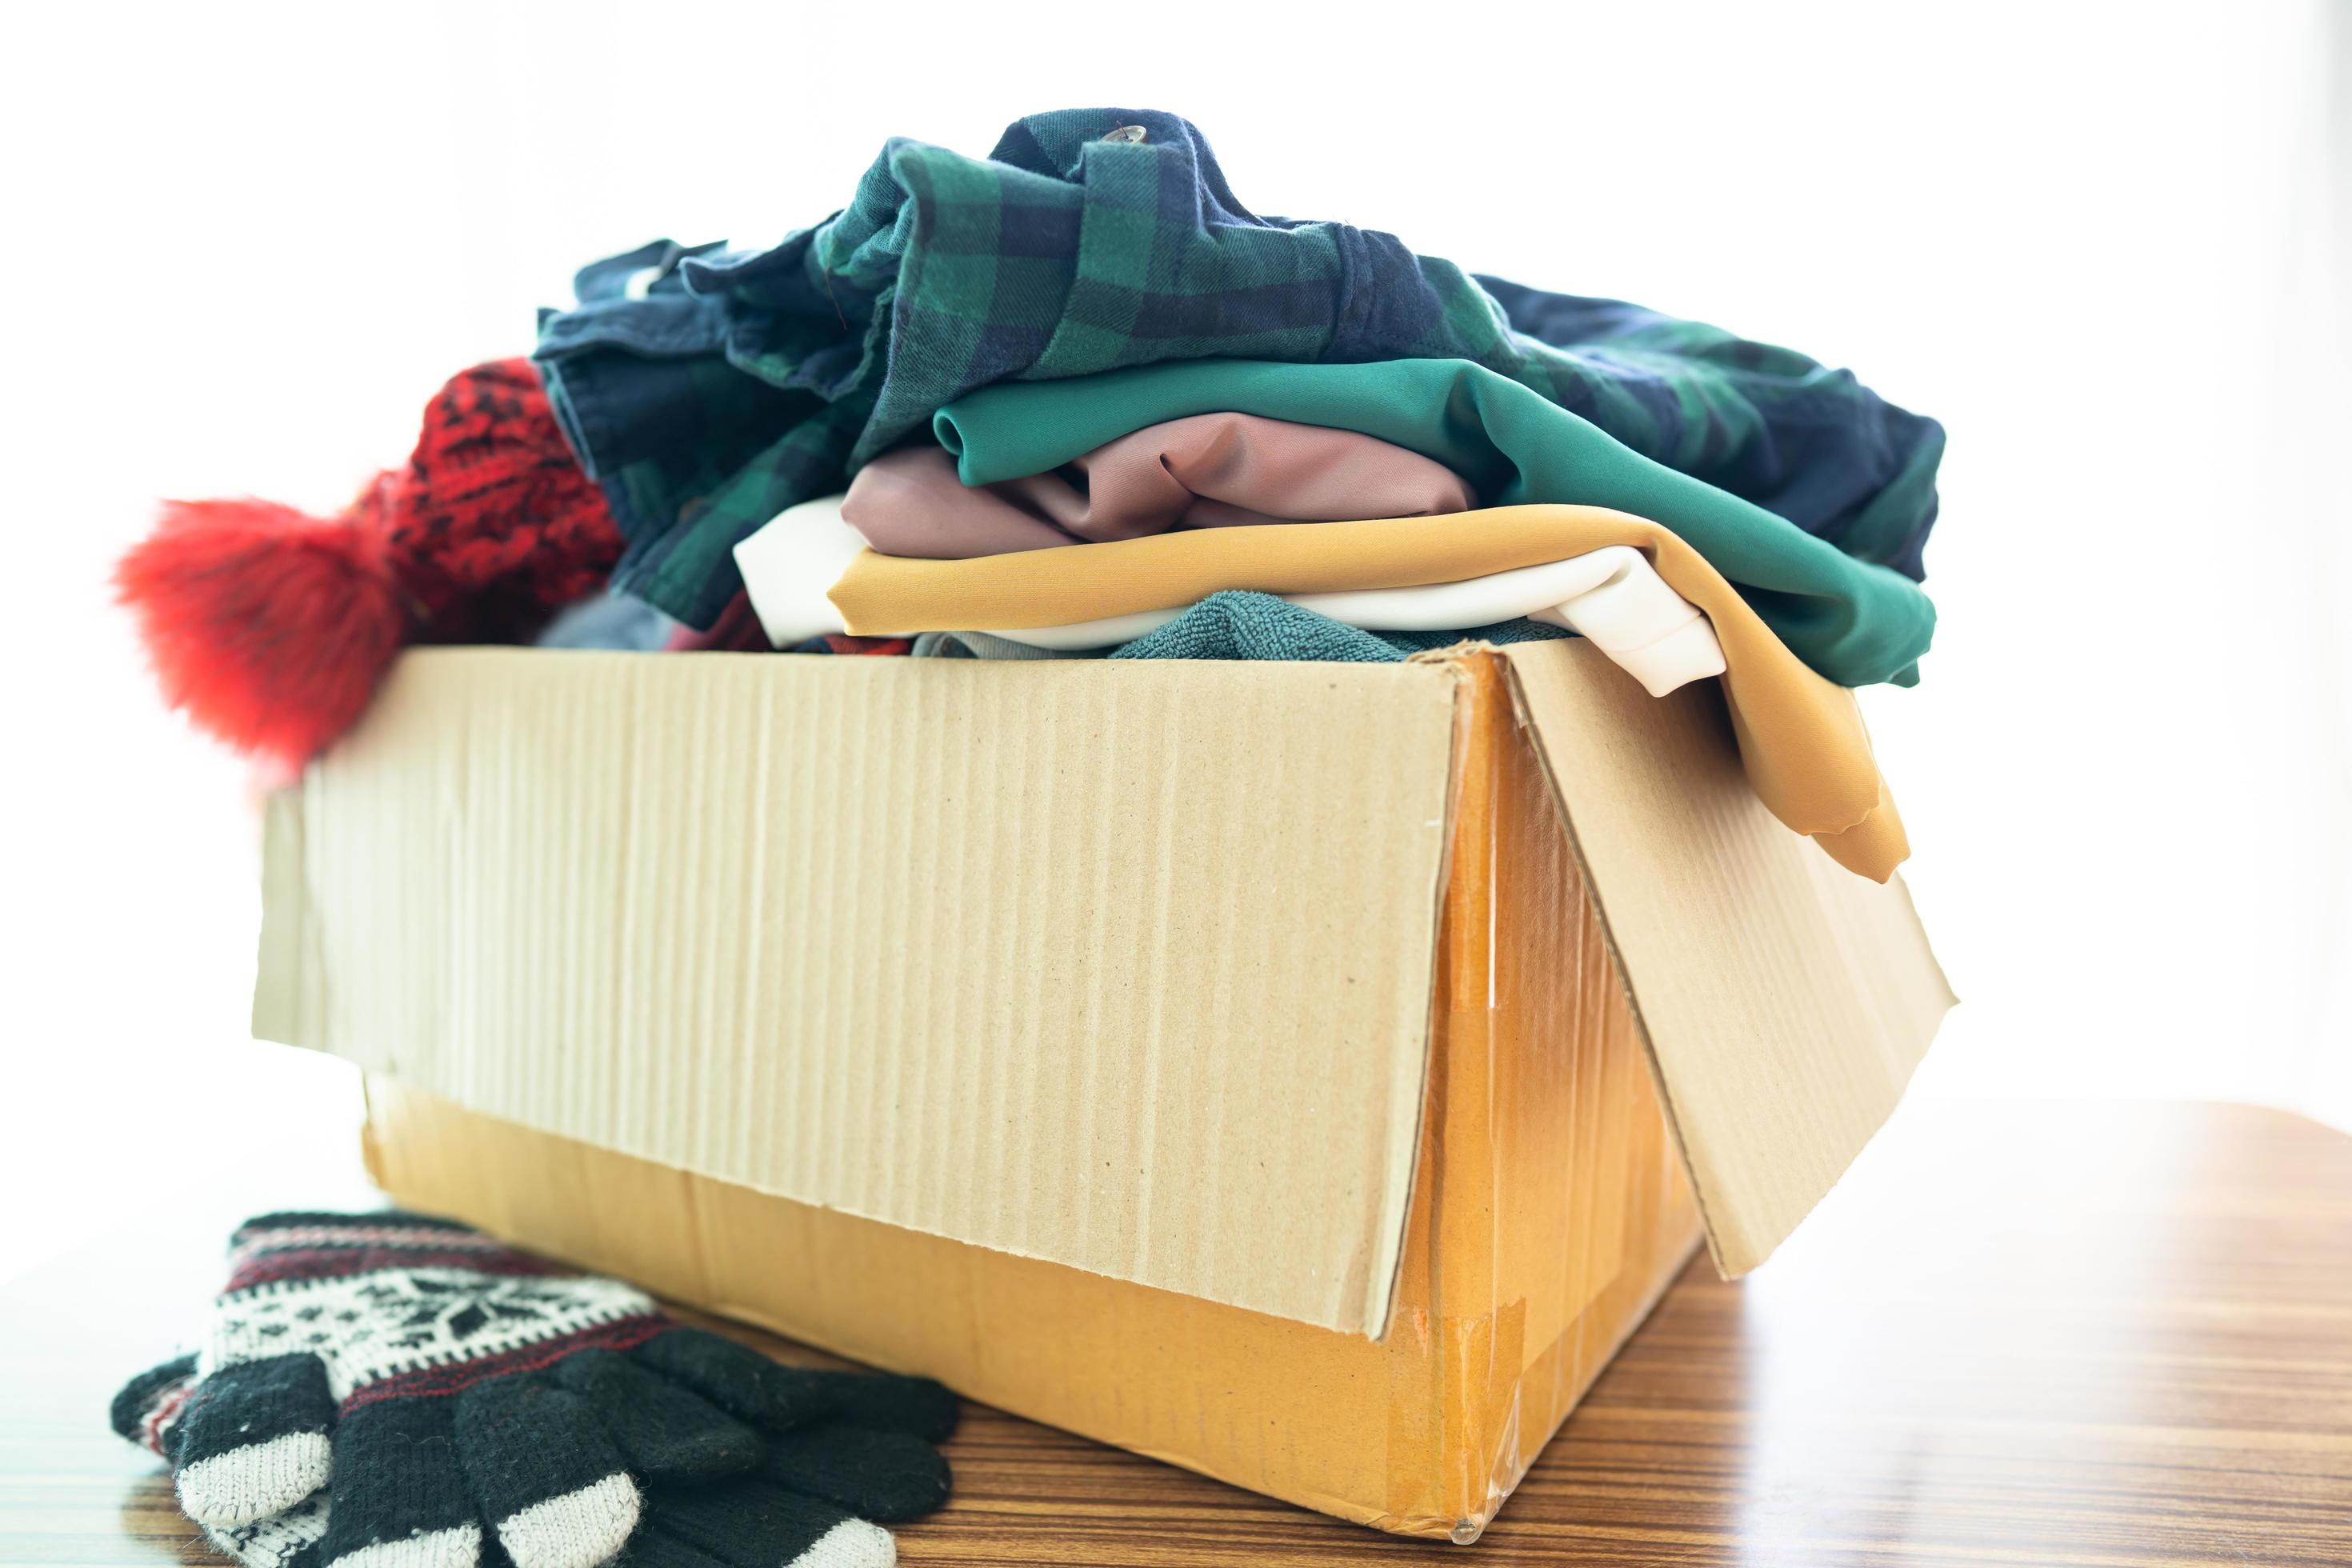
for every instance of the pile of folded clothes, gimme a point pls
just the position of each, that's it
(1074, 400)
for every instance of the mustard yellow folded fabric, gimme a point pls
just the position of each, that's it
(1801, 737)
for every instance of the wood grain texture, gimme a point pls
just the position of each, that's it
(2018, 1334)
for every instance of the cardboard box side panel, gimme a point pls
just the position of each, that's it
(1052, 958)
(1784, 1002)
(1563, 1208)
(1575, 1108)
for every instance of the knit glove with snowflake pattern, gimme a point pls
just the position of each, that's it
(382, 1390)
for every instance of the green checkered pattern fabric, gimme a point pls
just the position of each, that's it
(708, 391)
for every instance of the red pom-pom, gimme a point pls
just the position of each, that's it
(269, 627)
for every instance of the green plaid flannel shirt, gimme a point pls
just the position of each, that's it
(707, 391)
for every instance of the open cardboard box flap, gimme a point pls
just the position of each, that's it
(1784, 1002)
(1126, 966)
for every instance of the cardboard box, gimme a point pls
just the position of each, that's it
(1307, 1074)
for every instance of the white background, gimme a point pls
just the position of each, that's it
(2104, 244)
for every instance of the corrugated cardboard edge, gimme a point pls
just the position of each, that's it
(286, 1003)
(1381, 1313)
(1743, 1228)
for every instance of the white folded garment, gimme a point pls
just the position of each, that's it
(1612, 596)
(790, 565)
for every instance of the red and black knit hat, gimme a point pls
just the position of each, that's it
(272, 629)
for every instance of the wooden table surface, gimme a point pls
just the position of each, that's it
(2017, 1334)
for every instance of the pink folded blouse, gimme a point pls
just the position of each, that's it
(1212, 470)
